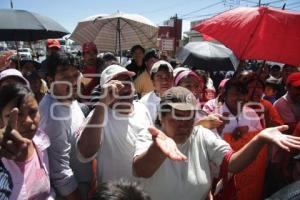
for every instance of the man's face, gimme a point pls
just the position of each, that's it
(162, 81)
(138, 54)
(178, 125)
(275, 73)
(52, 50)
(90, 58)
(124, 97)
(150, 62)
(286, 71)
(294, 93)
(27, 68)
(65, 83)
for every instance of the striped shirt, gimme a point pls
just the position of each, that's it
(5, 183)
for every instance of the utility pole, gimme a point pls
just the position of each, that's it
(11, 4)
(175, 29)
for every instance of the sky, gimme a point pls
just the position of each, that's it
(69, 12)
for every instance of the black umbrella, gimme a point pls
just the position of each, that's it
(207, 56)
(22, 25)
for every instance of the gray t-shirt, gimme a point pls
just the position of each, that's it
(190, 179)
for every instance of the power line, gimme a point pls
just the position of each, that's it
(273, 2)
(205, 15)
(294, 7)
(293, 3)
(206, 7)
(249, 1)
(165, 8)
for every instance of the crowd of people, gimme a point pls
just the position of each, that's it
(87, 128)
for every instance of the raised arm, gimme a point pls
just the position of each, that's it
(90, 138)
(248, 153)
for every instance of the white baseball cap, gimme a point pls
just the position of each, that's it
(8, 73)
(158, 64)
(112, 71)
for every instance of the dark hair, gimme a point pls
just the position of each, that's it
(135, 47)
(63, 61)
(108, 56)
(121, 190)
(247, 77)
(276, 67)
(14, 93)
(233, 83)
(33, 75)
(162, 67)
(202, 74)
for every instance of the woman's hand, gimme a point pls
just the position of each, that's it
(211, 121)
(12, 144)
(284, 141)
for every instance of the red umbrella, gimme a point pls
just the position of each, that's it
(260, 33)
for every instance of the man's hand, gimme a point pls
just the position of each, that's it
(12, 144)
(166, 144)
(110, 91)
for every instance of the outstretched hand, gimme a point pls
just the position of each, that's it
(284, 141)
(11, 142)
(166, 144)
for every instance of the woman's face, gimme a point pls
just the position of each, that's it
(193, 84)
(178, 125)
(28, 117)
(235, 100)
(255, 91)
(162, 81)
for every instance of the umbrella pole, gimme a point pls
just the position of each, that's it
(18, 56)
(119, 35)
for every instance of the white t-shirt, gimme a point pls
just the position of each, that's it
(151, 101)
(117, 143)
(247, 117)
(189, 179)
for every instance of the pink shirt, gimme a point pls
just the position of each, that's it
(31, 178)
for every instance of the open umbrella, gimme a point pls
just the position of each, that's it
(261, 33)
(207, 56)
(22, 25)
(117, 31)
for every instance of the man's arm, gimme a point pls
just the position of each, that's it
(90, 138)
(146, 164)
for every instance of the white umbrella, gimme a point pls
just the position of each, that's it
(117, 31)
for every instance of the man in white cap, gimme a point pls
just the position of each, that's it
(110, 132)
